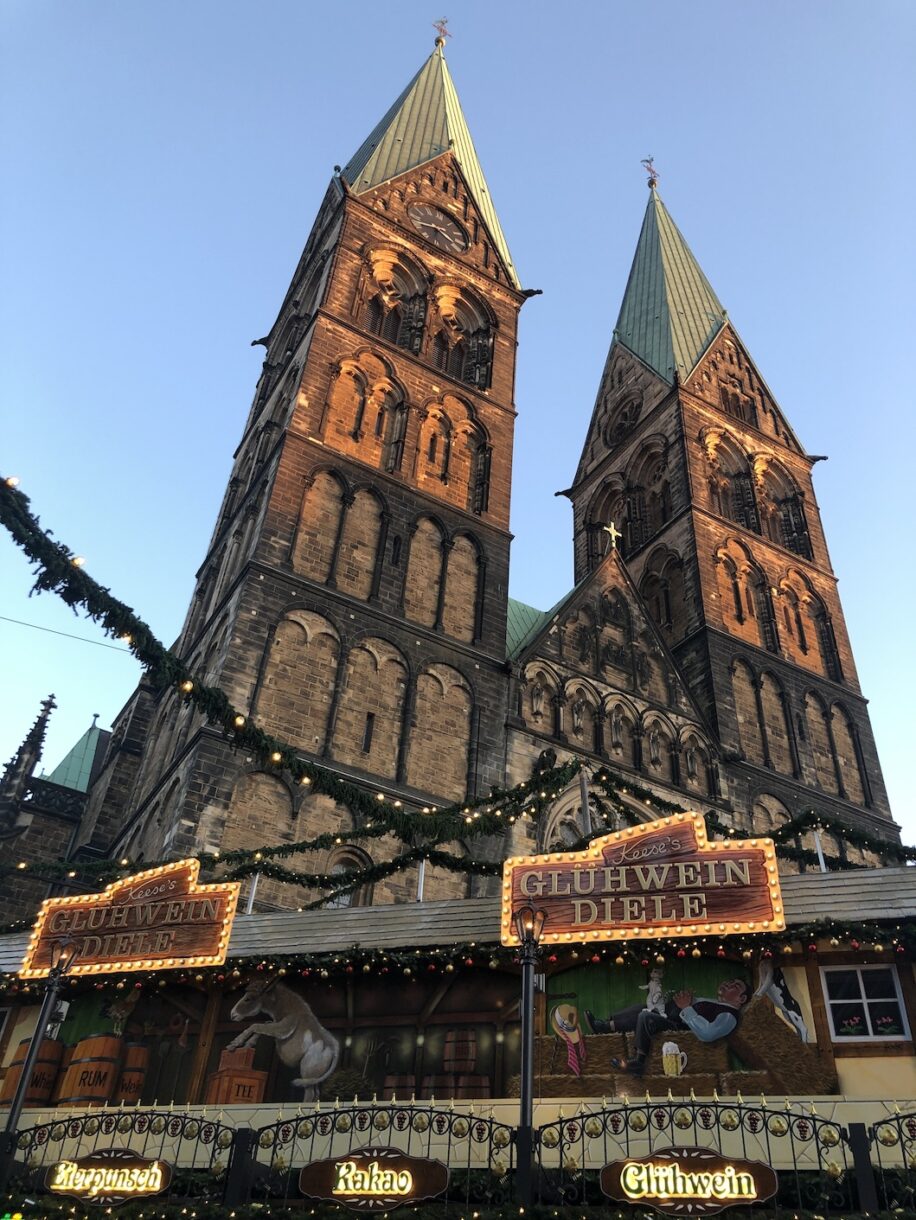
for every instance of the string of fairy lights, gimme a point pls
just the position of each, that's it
(422, 834)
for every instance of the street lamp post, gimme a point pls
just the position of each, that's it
(529, 924)
(63, 954)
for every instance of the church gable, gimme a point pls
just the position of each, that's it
(440, 187)
(628, 392)
(727, 380)
(596, 677)
(601, 639)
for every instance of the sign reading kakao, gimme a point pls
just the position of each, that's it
(155, 920)
(659, 879)
(688, 1181)
(374, 1179)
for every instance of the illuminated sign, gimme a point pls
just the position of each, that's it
(662, 878)
(374, 1179)
(155, 920)
(695, 1181)
(109, 1177)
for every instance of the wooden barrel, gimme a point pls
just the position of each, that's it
(438, 1087)
(133, 1074)
(402, 1087)
(93, 1071)
(62, 1074)
(44, 1073)
(473, 1086)
(460, 1053)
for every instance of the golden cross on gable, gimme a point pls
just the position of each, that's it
(614, 534)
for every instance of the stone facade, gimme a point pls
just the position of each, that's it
(354, 597)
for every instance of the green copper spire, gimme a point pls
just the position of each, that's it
(670, 314)
(425, 121)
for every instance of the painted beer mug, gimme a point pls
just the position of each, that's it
(674, 1060)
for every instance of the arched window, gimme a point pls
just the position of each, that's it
(782, 509)
(608, 506)
(662, 589)
(480, 479)
(397, 312)
(731, 486)
(463, 347)
(375, 316)
(744, 596)
(810, 641)
(394, 441)
(622, 422)
(349, 860)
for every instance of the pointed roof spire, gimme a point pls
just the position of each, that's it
(670, 314)
(78, 767)
(424, 122)
(21, 767)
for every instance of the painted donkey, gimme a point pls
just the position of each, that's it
(301, 1040)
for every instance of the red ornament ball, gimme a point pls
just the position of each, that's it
(812, 948)
(900, 949)
(469, 961)
(595, 958)
(643, 961)
(348, 969)
(682, 952)
(553, 959)
(138, 986)
(720, 953)
(854, 943)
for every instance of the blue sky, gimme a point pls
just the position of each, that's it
(163, 164)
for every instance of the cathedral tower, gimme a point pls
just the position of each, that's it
(692, 459)
(353, 597)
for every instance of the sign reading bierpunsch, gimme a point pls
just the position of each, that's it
(109, 1177)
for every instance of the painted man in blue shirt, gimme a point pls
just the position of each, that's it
(709, 1019)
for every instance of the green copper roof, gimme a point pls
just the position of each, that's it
(425, 121)
(522, 623)
(75, 771)
(669, 314)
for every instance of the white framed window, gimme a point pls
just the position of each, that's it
(864, 1003)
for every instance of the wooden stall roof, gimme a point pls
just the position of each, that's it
(883, 894)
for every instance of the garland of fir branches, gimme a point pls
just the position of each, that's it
(57, 569)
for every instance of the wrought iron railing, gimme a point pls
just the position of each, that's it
(822, 1166)
(478, 1151)
(809, 1153)
(893, 1152)
(196, 1149)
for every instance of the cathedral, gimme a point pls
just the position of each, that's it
(354, 598)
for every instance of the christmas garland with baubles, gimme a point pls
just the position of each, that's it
(423, 834)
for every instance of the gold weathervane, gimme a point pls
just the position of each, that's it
(441, 28)
(648, 164)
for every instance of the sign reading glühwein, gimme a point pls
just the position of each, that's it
(659, 879)
(156, 920)
(688, 1181)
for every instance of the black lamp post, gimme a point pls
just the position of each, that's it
(529, 924)
(63, 955)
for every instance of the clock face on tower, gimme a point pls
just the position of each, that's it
(438, 227)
